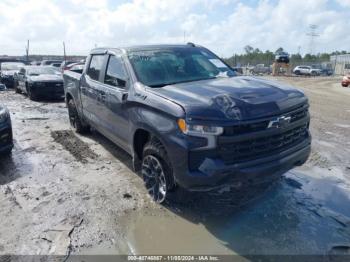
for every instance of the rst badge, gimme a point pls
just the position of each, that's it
(279, 122)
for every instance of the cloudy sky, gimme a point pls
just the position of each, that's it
(224, 26)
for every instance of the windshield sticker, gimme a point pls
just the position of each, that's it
(217, 63)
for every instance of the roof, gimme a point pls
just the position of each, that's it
(100, 50)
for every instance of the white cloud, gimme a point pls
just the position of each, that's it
(225, 26)
(345, 3)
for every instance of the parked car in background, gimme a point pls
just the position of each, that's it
(260, 69)
(35, 63)
(186, 119)
(6, 140)
(327, 71)
(40, 82)
(307, 70)
(58, 65)
(66, 64)
(8, 70)
(50, 62)
(346, 80)
(77, 67)
(282, 57)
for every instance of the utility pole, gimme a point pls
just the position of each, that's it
(27, 51)
(64, 52)
(312, 34)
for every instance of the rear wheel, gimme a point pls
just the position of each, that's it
(15, 85)
(156, 171)
(74, 118)
(297, 72)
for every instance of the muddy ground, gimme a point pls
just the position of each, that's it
(63, 194)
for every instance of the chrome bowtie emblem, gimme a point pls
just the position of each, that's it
(279, 122)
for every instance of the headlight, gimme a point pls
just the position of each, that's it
(199, 130)
(3, 114)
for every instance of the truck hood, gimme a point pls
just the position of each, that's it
(46, 78)
(232, 99)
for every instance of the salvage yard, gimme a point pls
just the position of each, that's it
(63, 193)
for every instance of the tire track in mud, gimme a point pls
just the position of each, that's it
(79, 149)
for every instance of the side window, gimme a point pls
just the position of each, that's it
(115, 74)
(95, 67)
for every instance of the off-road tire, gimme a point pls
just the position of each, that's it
(15, 86)
(75, 120)
(154, 148)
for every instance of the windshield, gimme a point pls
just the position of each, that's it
(11, 66)
(43, 71)
(157, 68)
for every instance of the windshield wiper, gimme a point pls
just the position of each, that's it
(179, 82)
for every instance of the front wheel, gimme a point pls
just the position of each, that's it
(156, 171)
(30, 93)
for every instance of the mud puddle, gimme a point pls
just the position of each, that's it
(299, 215)
(79, 149)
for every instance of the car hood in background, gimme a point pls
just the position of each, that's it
(9, 72)
(232, 99)
(46, 78)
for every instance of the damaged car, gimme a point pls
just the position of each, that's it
(40, 82)
(8, 70)
(187, 119)
(6, 140)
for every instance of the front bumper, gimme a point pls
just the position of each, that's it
(50, 90)
(8, 81)
(6, 139)
(213, 173)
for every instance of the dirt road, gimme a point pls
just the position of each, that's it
(62, 193)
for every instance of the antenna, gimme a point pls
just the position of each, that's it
(312, 34)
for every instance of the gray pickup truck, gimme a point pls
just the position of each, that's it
(186, 118)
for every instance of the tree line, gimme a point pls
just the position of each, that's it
(253, 56)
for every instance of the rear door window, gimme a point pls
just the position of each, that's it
(95, 67)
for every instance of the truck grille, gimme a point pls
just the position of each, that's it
(295, 115)
(235, 152)
(54, 85)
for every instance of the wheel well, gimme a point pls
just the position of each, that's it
(68, 97)
(141, 137)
